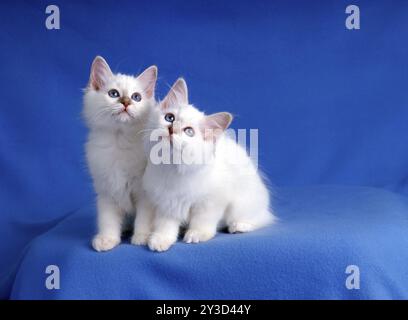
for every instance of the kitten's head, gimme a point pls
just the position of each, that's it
(184, 127)
(112, 99)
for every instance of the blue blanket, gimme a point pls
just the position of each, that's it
(322, 231)
(330, 105)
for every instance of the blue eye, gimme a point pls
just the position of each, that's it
(169, 117)
(113, 93)
(189, 131)
(137, 97)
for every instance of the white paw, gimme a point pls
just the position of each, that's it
(140, 239)
(104, 243)
(195, 236)
(158, 242)
(238, 226)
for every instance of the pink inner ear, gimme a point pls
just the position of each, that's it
(178, 95)
(148, 79)
(100, 73)
(169, 100)
(215, 124)
(220, 120)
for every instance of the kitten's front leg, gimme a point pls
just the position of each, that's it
(143, 222)
(110, 218)
(203, 222)
(165, 232)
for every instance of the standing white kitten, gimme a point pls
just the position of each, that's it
(115, 110)
(223, 187)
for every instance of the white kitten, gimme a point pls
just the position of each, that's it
(115, 110)
(225, 187)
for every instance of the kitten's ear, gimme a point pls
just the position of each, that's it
(100, 73)
(215, 124)
(178, 94)
(148, 79)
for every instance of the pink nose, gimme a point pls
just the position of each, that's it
(125, 101)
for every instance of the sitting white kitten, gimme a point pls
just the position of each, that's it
(115, 110)
(225, 188)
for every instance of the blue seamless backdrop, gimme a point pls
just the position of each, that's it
(331, 104)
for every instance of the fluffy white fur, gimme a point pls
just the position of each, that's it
(226, 189)
(114, 149)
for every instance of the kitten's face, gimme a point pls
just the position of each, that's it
(185, 128)
(116, 98)
(182, 127)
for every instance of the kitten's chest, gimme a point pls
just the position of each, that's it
(117, 148)
(171, 192)
(116, 160)
(128, 152)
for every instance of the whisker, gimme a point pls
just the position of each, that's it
(144, 131)
(100, 113)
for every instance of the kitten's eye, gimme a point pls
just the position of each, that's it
(169, 117)
(189, 131)
(137, 96)
(113, 93)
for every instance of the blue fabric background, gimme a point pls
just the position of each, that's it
(331, 104)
